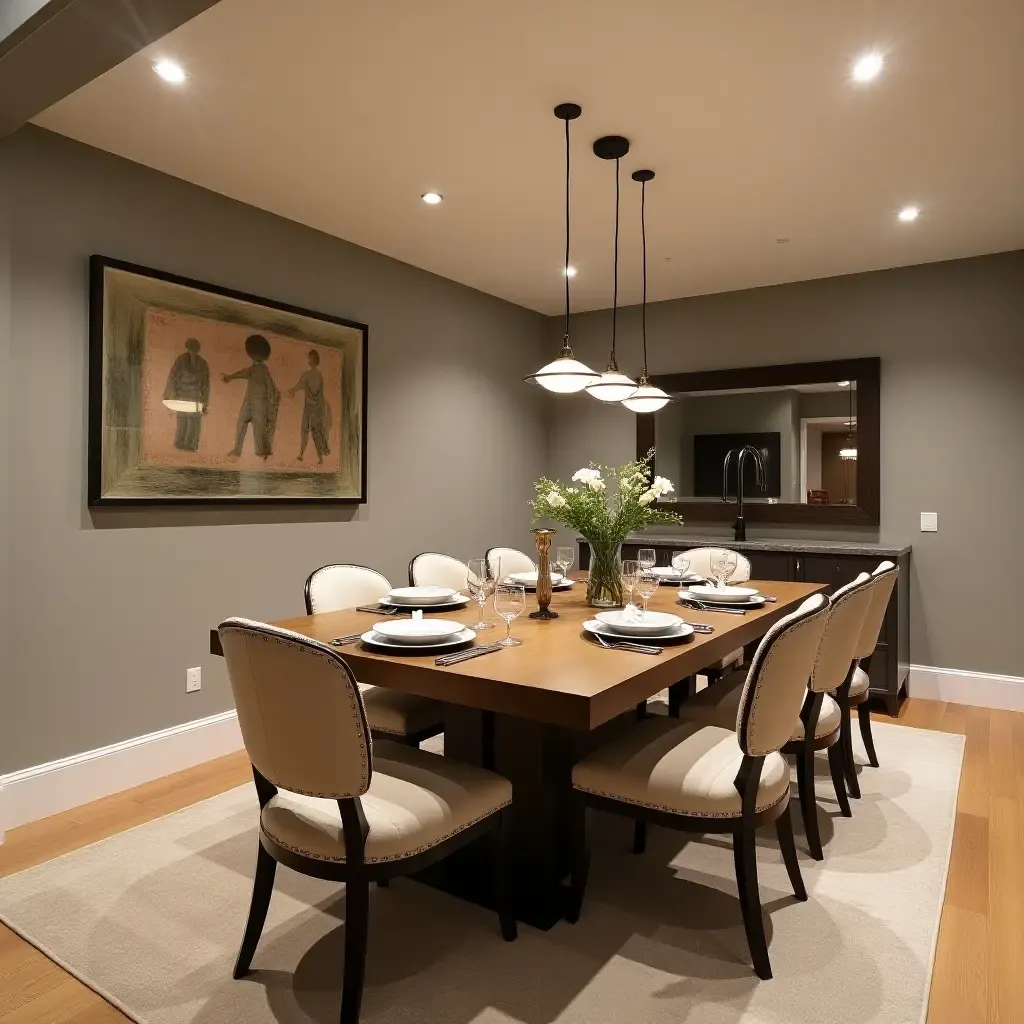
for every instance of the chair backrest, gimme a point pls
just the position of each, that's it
(432, 569)
(838, 648)
(883, 579)
(509, 560)
(777, 681)
(700, 563)
(299, 710)
(332, 587)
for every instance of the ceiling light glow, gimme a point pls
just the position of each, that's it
(909, 214)
(432, 198)
(569, 271)
(868, 67)
(170, 71)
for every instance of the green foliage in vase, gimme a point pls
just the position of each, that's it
(606, 504)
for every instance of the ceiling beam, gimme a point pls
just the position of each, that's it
(50, 48)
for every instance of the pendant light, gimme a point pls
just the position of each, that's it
(614, 385)
(566, 374)
(849, 449)
(647, 397)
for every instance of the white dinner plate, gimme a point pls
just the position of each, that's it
(723, 595)
(378, 642)
(456, 602)
(560, 585)
(422, 595)
(625, 624)
(683, 631)
(754, 602)
(529, 579)
(418, 631)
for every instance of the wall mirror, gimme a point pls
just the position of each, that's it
(810, 430)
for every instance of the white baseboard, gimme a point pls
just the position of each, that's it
(982, 689)
(46, 789)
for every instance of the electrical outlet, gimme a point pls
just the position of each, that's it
(929, 522)
(193, 680)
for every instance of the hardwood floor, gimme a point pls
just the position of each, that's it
(978, 968)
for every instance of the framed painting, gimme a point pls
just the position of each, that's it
(201, 395)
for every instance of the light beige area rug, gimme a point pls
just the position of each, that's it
(152, 918)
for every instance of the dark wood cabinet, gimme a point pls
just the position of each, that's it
(890, 664)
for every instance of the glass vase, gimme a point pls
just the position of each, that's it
(604, 588)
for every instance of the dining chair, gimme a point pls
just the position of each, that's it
(391, 713)
(335, 806)
(709, 779)
(700, 563)
(854, 693)
(432, 569)
(509, 560)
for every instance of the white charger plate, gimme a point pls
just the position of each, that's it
(418, 631)
(458, 601)
(755, 602)
(684, 631)
(724, 595)
(374, 641)
(652, 623)
(529, 579)
(417, 596)
(561, 585)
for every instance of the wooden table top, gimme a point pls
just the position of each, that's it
(559, 675)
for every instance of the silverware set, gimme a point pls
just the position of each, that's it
(692, 602)
(461, 656)
(377, 609)
(342, 641)
(627, 645)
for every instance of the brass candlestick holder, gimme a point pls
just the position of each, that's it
(543, 540)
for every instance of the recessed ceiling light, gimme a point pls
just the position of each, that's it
(432, 198)
(868, 67)
(170, 71)
(909, 213)
(842, 383)
(569, 271)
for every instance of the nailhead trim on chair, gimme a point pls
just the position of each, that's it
(619, 798)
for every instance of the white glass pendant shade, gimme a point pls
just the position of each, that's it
(647, 398)
(612, 386)
(848, 453)
(565, 375)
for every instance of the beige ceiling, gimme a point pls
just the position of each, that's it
(339, 114)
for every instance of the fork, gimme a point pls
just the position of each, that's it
(378, 609)
(341, 641)
(635, 648)
(692, 602)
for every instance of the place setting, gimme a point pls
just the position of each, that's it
(676, 574)
(407, 599)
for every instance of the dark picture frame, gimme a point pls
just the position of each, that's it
(125, 300)
(867, 374)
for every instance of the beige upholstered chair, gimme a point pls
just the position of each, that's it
(818, 725)
(336, 807)
(391, 714)
(509, 560)
(705, 778)
(432, 569)
(855, 691)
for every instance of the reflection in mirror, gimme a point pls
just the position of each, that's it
(806, 436)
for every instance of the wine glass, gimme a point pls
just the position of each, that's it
(646, 586)
(509, 603)
(680, 562)
(564, 557)
(481, 583)
(628, 574)
(723, 565)
(647, 557)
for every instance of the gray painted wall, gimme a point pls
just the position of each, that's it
(108, 610)
(951, 338)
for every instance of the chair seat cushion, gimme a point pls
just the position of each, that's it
(680, 767)
(719, 704)
(415, 801)
(860, 683)
(400, 714)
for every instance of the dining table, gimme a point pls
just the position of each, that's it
(530, 712)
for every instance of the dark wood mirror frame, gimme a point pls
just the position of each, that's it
(867, 374)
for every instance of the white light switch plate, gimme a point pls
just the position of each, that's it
(193, 680)
(929, 522)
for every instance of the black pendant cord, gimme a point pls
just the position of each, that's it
(615, 270)
(643, 293)
(565, 267)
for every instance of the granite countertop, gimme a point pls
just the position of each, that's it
(810, 547)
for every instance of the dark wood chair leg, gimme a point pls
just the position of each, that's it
(784, 830)
(846, 742)
(262, 887)
(580, 866)
(639, 836)
(808, 801)
(745, 857)
(837, 766)
(503, 888)
(864, 716)
(679, 692)
(357, 920)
